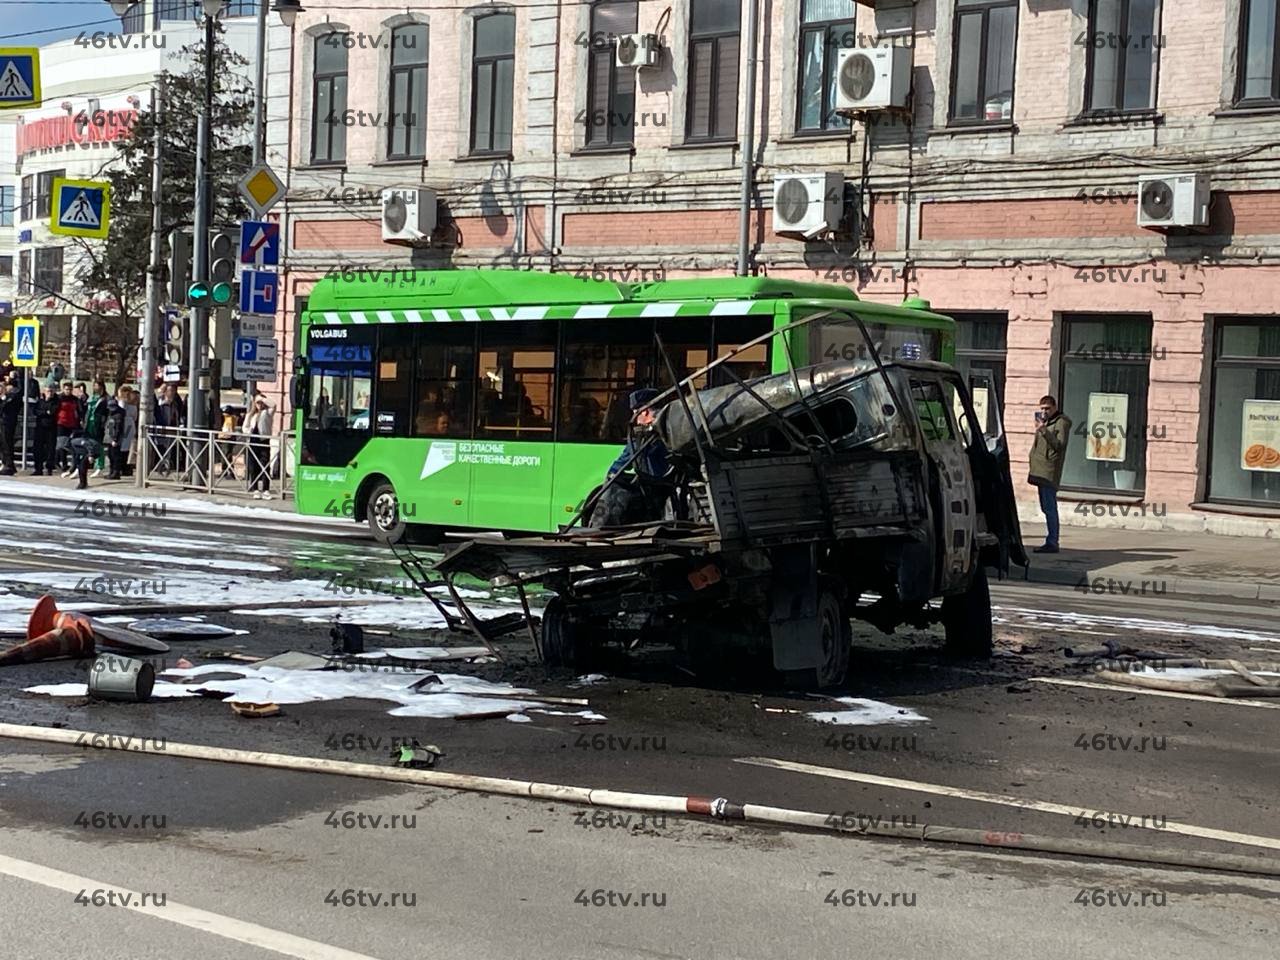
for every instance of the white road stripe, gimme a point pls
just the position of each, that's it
(242, 931)
(1043, 806)
(1117, 688)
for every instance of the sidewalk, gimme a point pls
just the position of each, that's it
(1135, 563)
(1110, 560)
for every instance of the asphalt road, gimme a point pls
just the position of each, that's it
(998, 748)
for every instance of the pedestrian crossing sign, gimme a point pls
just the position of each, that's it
(19, 77)
(26, 342)
(80, 208)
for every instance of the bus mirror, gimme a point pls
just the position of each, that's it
(301, 395)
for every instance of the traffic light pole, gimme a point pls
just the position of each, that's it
(198, 348)
(147, 350)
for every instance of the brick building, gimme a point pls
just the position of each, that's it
(1005, 192)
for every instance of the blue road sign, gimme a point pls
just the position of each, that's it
(26, 342)
(260, 243)
(19, 77)
(81, 207)
(258, 291)
(246, 349)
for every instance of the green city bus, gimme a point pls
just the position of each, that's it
(497, 399)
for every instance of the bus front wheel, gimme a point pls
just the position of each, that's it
(382, 512)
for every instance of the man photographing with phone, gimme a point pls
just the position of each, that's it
(1048, 452)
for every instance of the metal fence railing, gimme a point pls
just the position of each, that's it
(218, 462)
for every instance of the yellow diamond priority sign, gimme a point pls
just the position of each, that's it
(262, 188)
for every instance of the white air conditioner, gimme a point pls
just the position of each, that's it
(806, 205)
(636, 50)
(408, 215)
(877, 78)
(1173, 200)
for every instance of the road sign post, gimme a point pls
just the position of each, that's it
(26, 354)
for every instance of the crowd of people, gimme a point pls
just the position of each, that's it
(85, 431)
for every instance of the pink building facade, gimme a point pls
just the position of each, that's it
(1004, 190)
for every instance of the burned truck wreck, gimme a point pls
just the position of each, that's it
(793, 503)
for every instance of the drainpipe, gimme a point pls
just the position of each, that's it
(749, 146)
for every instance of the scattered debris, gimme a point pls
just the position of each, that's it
(168, 628)
(62, 642)
(123, 638)
(255, 711)
(121, 678)
(347, 638)
(416, 756)
(297, 660)
(863, 712)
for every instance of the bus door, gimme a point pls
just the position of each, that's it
(439, 488)
(951, 492)
(512, 456)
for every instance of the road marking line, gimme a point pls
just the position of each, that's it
(215, 923)
(1043, 806)
(1116, 688)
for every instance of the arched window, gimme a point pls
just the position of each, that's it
(611, 90)
(329, 100)
(493, 64)
(407, 100)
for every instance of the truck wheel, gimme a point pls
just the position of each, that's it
(383, 515)
(561, 645)
(837, 636)
(966, 618)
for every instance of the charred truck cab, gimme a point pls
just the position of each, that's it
(852, 488)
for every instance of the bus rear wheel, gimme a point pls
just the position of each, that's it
(382, 513)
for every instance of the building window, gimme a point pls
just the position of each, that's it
(24, 271)
(826, 28)
(134, 20)
(329, 100)
(6, 207)
(493, 72)
(1124, 51)
(48, 272)
(1244, 439)
(407, 130)
(44, 191)
(611, 90)
(982, 60)
(714, 27)
(28, 197)
(1104, 378)
(981, 344)
(1259, 80)
(6, 266)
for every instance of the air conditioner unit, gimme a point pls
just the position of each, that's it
(877, 78)
(806, 205)
(408, 215)
(1173, 200)
(637, 50)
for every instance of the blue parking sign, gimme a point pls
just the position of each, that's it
(258, 291)
(246, 348)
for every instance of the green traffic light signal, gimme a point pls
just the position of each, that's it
(198, 294)
(221, 293)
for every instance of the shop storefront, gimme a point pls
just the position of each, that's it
(1244, 444)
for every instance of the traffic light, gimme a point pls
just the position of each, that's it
(224, 249)
(175, 339)
(179, 266)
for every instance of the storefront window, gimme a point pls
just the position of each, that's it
(1245, 438)
(1104, 377)
(981, 344)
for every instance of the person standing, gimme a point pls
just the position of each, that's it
(1048, 453)
(95, 421)
(11, 401)
(129, 403)
(46, 433)
(258, 423)
(67, 422)
(171, 414)
(112, 431)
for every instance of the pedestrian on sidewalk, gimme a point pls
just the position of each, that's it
(258, 423)
(83, 450)
(68, 422)
(95, 421)
(1048, 453)
(46, 433)
(171, 414)
(11, 401)
(128, 398)
(112, 431)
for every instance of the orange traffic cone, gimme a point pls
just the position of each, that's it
(45, 616)
(63, 642)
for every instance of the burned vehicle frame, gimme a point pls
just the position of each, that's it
(789, 498)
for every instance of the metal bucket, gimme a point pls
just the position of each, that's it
(121, 678)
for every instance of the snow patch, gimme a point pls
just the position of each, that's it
(864, 712)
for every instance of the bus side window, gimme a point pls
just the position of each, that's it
(515, 397)
(444, 397)
(601, 363)
(731, 333)
(394, 372)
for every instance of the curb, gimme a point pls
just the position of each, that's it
(1182, 587)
